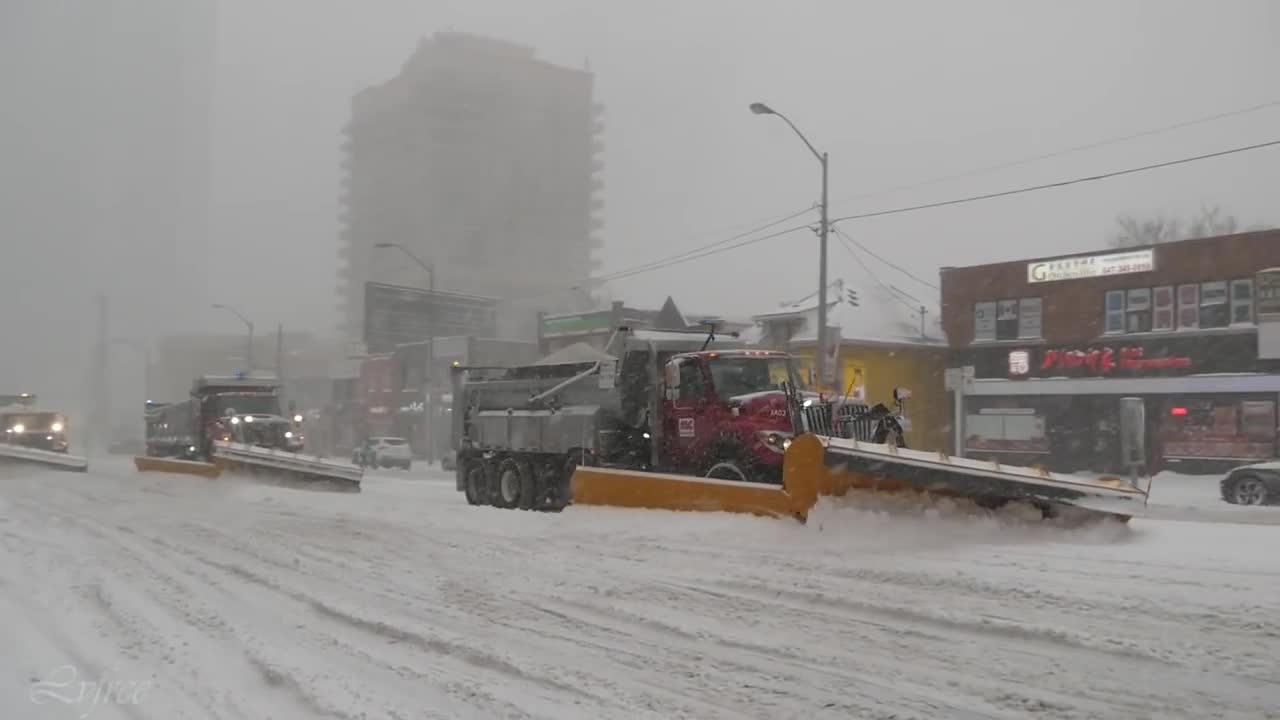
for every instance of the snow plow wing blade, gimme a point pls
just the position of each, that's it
(286, 468)
(802, 472)
(814, 467)
(849, 465)
(46, 458)
(173, 465)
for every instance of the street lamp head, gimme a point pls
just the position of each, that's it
(384, 245)
(218, 306)
(762, 109)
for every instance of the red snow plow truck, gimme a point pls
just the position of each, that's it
(683, 421)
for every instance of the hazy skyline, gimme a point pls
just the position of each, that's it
(895, 92)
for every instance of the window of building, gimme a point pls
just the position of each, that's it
(1163, 309)
(1241, 302)
(984, 322)
(1115, 312)
(1138, 310)
(1215, 309)
(1188, 307)
(1030, 318)
(1009, 319)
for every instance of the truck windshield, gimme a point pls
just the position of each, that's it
(246, 404)
(735, 376)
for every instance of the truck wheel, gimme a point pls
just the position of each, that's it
(476, 484)
(515, 487)
(732, 465)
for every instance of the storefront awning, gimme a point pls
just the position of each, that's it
(1187, 384)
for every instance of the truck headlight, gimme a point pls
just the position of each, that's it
(19, 428)
(248, 418)
(235, 421)
(288, 434)
(56, 427)
(775, 440)
(297, 418)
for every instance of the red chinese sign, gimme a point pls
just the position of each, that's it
(1105, 360)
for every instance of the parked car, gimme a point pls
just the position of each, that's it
(384, 452)
(1257, 484)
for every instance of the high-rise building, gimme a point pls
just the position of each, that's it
(483, 161)
(104, 135)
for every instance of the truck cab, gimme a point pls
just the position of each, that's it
(726, 414)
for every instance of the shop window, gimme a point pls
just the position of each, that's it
(1138, 310)
(1030, 318)
(1115, 311)
(984, 322)
(1241, 302)
(1007, 320)
(1215, 310)
(1188, 307)
(1162, 309)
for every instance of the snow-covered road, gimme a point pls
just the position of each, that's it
(174, 597)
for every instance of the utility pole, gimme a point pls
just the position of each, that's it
(820, 361)
(101, 411)
(428, 376)
(923, 334)
(822, 282)
(248, 352)
(280, 352)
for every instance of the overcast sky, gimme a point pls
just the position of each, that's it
(896, 92)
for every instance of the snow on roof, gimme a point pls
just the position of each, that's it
(578, 352)
(882, 315)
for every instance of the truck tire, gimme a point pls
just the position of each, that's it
(515, 486)
(476, 483)
(731, 461)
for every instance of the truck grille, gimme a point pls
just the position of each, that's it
(851, 421)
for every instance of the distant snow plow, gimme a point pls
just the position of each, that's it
(817, 467)
(45, 458)
(35, 437)
(234, 425)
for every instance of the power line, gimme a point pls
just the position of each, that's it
(716, 251)
(899, 268)
(844, 242)
(1059, 153)
(1062, 183)
(665, 261)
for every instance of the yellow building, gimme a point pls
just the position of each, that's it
(878, 344)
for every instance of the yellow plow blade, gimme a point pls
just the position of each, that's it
(173, 465)
(802, 471)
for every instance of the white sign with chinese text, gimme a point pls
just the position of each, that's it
(1076, 268)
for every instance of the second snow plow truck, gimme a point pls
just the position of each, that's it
(36, 437)
(235, 424)
(680, 421)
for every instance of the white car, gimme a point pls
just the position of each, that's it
(388, 452)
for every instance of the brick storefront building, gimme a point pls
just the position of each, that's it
(1192, 327)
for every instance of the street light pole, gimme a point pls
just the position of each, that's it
(820, 362)
(145, 351)
(428, 408)
(248, 354)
